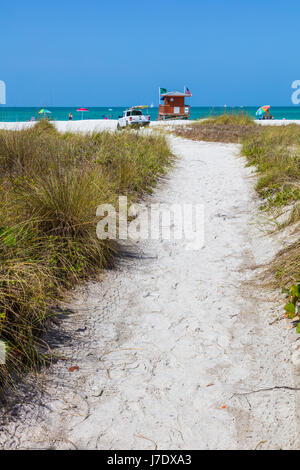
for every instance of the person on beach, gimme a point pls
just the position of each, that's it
(70, 116)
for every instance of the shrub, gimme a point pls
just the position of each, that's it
(51, 185)
(224, 128)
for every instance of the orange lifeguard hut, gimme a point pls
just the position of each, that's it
(174, 106)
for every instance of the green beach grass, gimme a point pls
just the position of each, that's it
(275, 152)
(228, 127)
(51, 185)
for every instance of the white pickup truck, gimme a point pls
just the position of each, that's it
(134, 117)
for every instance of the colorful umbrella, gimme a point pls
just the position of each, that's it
(262, 110)
(44, 111)
(141, 106)
(82, 110)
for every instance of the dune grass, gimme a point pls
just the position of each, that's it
(275, 152)
(231, 119)
(228, 127)
(51, 185)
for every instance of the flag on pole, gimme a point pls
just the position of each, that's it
(187, 92)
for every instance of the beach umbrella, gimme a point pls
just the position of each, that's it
(262, 110)
(44, 111)
(82, 110)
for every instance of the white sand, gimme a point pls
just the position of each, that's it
(165, 342)
(91, 125)
(88, 125)
(278, 122)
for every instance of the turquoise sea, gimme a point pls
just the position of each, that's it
(13, 114)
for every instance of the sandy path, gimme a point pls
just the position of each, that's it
(165, 342)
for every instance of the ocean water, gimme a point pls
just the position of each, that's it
(13, 114)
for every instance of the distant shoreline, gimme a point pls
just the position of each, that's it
(61, 113)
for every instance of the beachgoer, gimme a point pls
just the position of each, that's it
(70, 116)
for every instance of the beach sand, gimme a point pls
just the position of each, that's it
(89, 125)
(174, 348)
(277, 122)
(99, 125)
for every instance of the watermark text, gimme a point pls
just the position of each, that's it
(155, 222)
(296, 94)
(2, 92)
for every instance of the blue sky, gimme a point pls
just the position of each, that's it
(117, 52)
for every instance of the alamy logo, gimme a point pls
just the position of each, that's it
(156, 222)
(2, 352)
(2, 92)
(296, 94)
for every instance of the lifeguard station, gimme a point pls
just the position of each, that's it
(174, 106)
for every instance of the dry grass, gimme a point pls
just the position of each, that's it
(51, 185)
(225, 128)
(286, 266)
(276, 155)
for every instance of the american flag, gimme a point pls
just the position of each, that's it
(187, 92)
